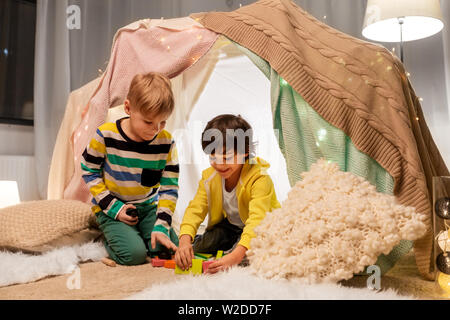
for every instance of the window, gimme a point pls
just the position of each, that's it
(17, 37)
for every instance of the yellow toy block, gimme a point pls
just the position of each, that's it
(219, 254)
(196, 268)
(178, 270)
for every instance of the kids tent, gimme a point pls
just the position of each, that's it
(331, 96)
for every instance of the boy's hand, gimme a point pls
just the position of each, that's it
(185, 253)
(163, 239)
(231, 259)
(122, 216)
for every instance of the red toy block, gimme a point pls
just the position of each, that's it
(206, 265)
(156, 262)
(169, 264)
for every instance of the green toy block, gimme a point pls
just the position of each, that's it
(204, 256)
(196, 267)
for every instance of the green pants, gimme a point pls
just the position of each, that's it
(130, 245)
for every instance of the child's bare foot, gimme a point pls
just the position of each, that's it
(109, 262)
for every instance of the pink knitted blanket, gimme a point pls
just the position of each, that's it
(169, 47)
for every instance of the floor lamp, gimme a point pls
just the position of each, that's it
(401, 20)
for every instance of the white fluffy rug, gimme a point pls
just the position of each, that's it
(22, 268)
(239, 284)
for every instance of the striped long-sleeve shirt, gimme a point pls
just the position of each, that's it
(119, 170)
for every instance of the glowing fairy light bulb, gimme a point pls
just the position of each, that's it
(444, 281)
(443, 240)
(408, 74)
(322, 134)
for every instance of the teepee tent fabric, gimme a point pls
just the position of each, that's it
(356, 86)
(62, 165)
(165, 46)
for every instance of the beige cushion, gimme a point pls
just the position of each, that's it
(39, 226)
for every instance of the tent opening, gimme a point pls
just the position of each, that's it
(230, 84)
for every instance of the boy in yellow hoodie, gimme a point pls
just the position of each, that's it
(235, 192)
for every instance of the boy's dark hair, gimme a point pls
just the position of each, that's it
(226, 132)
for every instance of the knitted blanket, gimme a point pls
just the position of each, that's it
(305, 137)
(168, 47)
(356, 86)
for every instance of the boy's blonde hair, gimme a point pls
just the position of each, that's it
(151, 93)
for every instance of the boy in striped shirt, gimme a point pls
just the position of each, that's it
(133, 164)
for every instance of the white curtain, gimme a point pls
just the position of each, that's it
(67, 59)
(51, 82)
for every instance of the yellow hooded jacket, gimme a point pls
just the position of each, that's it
(255, 195)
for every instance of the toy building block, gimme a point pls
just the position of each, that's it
(169, 264)
(219, 254)
(196, 268)
(203, 256)
(156, 262)
(178, 270)
(206, 265)
(109, 262)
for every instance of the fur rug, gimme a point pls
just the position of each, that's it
(23, 268)
(239, 284)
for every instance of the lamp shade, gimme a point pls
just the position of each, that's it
(9, 193)
(421, 19)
